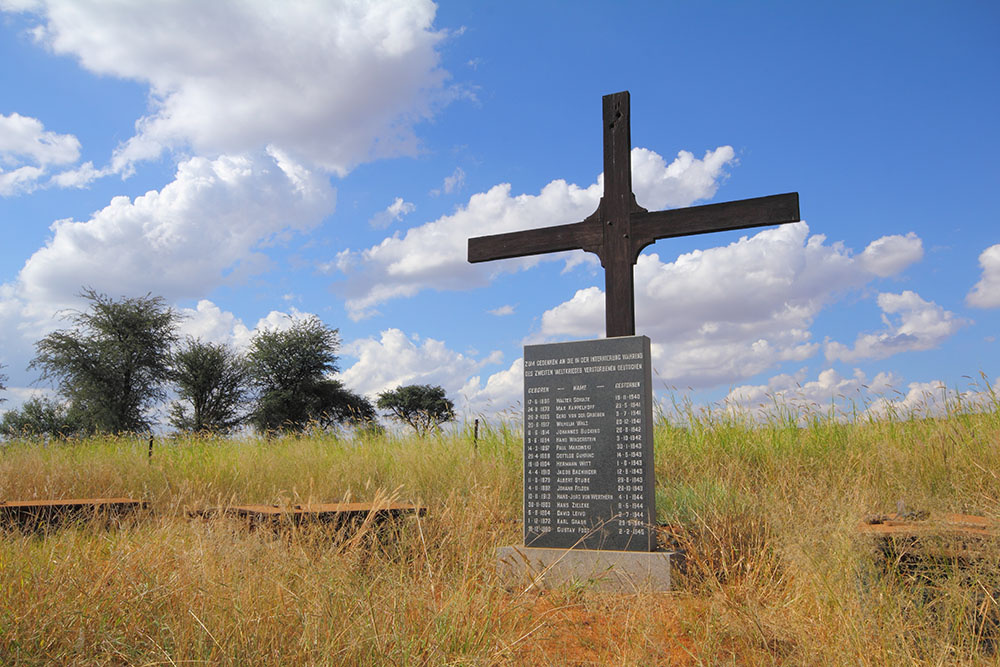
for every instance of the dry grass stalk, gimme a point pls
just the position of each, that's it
(766, 513)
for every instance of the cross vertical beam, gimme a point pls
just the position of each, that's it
(615, 213)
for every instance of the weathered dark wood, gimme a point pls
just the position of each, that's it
(336, 513)
(727, 216)
(619, 229)
(576, 236)
(907, 543)
(39, 513)
(614, 214)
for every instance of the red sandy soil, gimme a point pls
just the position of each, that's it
(589, 630)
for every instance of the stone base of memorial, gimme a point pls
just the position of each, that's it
(589, 487)
(595, 569)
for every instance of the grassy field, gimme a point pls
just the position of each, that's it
(767, 513)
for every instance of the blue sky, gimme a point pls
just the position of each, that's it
(252, 162)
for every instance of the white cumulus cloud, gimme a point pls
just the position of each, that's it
(932, 399)
(685, 180)
(331, 84)
(393, 213)
(854, 397)
(28, 150)
(889, 255)
(395, 359)
(725, 314)
(80, 177)
(25, 138)
(804, 397)
(919, 325)
(500, 395)
(207, 322)
(433, 255)
(21, 179)
(986, 293)
(203, 229)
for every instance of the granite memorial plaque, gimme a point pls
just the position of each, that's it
(588, 445)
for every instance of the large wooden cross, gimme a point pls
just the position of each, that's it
(619, 229)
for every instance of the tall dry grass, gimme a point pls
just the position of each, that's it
(767, 513)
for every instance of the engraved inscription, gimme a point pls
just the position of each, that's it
(588, 479)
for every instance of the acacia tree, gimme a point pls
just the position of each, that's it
(112, 364)
(290, 370)
(420, 405)
(40, 417)
(212, 382)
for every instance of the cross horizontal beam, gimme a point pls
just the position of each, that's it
(647, 227)
(651, 226)
(574, 236)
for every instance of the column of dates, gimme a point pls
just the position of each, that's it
(630, 505)
(538, 511)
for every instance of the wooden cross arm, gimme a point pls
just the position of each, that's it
(575, 236)
(647, 227)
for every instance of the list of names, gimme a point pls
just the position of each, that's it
(588, 478)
